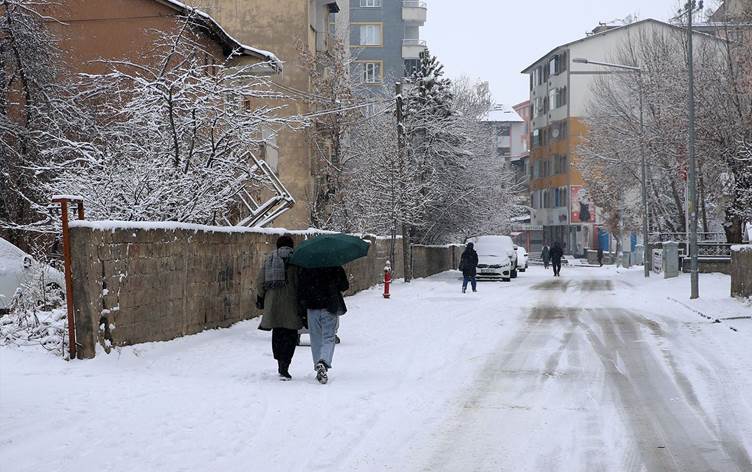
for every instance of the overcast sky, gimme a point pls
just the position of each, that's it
(495, 39)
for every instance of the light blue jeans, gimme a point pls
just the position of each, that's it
(322, 328)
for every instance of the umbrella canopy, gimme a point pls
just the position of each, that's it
(329, 250)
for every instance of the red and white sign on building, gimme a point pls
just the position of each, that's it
(582, 207)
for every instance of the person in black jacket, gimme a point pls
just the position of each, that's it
(320, 293)
(468, 266)
(546, 256)
(556, 253)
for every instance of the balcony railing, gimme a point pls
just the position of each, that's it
(414, 42)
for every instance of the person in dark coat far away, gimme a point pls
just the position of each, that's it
(557, 252)
(600, 256)
(277, 296)
(469, 267)
(320, 292)
(546, 256)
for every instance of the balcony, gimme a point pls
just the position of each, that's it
(411, 48)
(414, 12)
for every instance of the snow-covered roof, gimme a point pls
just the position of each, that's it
(226, 37)
(612, 30)
(503, 115)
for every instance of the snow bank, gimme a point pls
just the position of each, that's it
(741, 248)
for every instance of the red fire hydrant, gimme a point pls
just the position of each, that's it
(387, 278)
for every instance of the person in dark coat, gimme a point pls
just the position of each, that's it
(557, 252)
(320, 293)
(546, 256)
(277, 296)
(469, 267)
(600, 256)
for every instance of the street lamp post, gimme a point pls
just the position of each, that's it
(690, 7)
(643, 165)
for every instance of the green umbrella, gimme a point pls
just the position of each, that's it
(329, 250)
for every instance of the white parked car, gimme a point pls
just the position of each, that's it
(494, 260)
(521, 258)
(18, 269)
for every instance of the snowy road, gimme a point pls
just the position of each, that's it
(585, 376)
(594, 371)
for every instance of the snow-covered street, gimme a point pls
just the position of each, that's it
(597, 370)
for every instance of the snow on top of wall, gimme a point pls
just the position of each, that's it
(67, 197)
(741, 248)
(113, 225)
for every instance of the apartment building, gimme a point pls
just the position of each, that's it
(385, 38)
(559, 96)
(286, 26)
(508, 131)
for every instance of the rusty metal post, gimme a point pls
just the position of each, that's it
(80, 208)
(67, 263)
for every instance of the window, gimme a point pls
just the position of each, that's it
(210, 65)
(372, 73)
(370, 110)
(557, 131)
(505, 130)
(536, 139)
(534, 78)
(269, 148)
(553, 98)
(560, 165)
(539, 106)
(370, 35)
(370, 3)
(557, 64)
(332, 23)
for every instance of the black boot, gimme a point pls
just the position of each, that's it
(283, 370)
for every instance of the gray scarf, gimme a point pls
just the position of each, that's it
(275, 268)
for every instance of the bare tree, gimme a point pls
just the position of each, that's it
(36, 114)
(171, 135)
(610, 153)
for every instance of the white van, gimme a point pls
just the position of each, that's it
(18, 269)
(497, 258)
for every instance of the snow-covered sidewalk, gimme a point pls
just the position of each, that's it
(524, 375)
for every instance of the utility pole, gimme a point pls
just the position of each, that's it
(692, 204)
(646, 260)
(401, 154)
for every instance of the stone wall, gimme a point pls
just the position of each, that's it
(142, 282)
(741, 271)
(430, 260)
(708, 265)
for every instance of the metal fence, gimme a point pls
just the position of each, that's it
(712, 237)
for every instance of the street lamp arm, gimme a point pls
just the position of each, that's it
(582, 60)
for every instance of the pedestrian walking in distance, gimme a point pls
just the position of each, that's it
(556, 254)
(277, 296)
(546, 256)
(320, 292)
(600, 256)
(469, 267)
